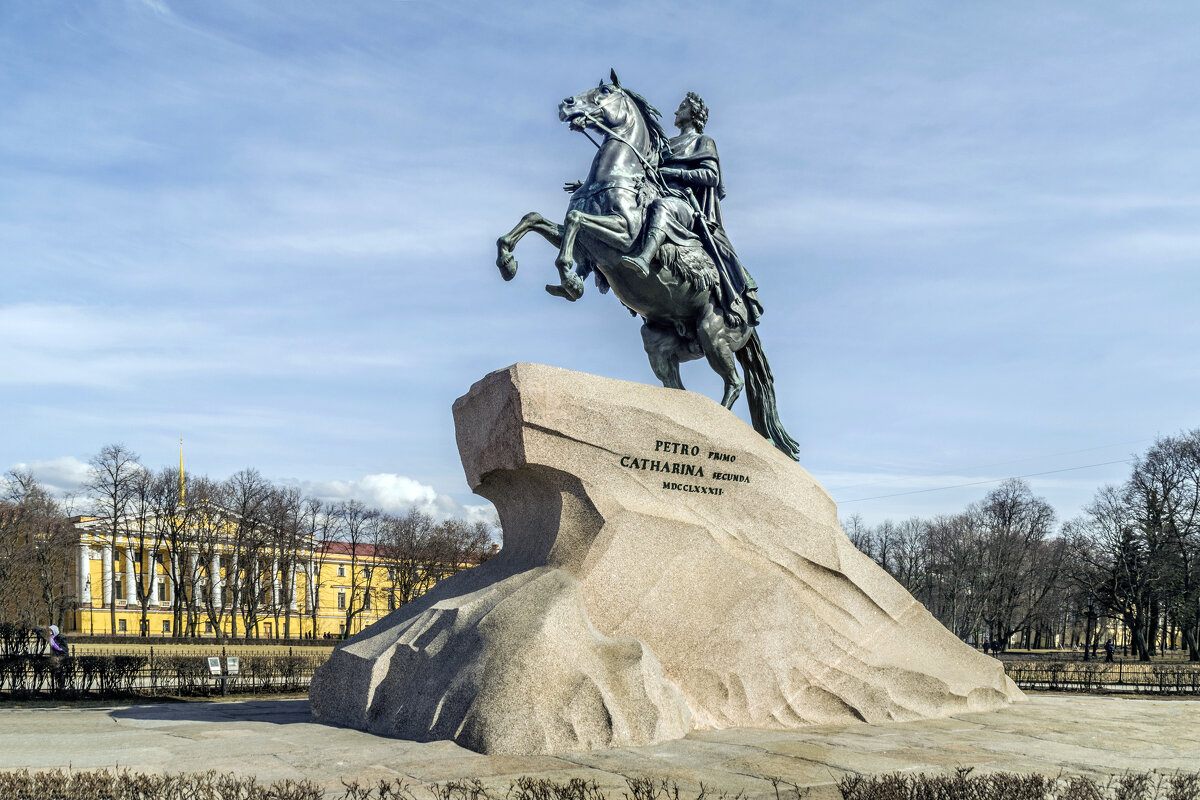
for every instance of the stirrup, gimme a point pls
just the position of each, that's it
(642, 265)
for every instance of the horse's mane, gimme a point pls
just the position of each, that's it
(659, 142)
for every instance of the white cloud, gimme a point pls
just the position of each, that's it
(1151, 247)
(157, 6)
(90, 346)
(65, 477)
(810, 216)
(397, 494)
(62, 477)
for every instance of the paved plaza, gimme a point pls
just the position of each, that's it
(277, 739)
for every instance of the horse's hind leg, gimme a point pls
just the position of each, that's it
(666, 349)
(719, 344)
(533, 222)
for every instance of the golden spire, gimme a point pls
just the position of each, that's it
(182, 489)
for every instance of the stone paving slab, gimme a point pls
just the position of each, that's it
(277, 739)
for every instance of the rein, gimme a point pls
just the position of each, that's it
(650, 169)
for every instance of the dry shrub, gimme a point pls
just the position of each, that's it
(961, 785)
(1011, 786)
(111, 785)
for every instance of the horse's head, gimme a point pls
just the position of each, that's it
(607, 103)
(614, 108)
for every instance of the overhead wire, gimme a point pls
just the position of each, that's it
(990, 480)
(901, 478)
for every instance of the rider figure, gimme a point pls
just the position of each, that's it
(693, 170)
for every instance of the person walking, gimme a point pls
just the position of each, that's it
(58, 643)
(1109, 649)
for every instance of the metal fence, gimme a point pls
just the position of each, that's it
(174, 675)
(1132, 677)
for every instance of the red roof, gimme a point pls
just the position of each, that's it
(343, 549)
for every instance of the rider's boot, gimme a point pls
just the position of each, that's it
(655, 236)
(754, 308)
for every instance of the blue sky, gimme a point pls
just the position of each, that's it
(269, 228)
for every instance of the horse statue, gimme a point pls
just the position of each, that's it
(677, 296)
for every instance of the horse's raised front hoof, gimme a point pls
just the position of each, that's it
(507, 264)
(561, 291)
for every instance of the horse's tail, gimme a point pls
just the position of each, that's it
(760, 394)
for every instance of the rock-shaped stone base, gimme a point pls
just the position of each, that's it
(664, 568)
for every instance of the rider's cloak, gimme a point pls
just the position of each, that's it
(695, 156)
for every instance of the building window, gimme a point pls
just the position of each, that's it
(391, 602)
(162, 592)
(118, 593)
(341, 570)
(166, 626)
(268, 630)
(208, 627)
(366, 573)
(341, 601)
(367, 601)
(121, 626)
(342, 628)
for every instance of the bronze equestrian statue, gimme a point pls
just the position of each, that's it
(646, 222)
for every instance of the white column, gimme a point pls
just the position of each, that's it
(82, 566)
(234, 565)
(152, 586)
(294, 605)
(194, 575)
(214, 578)
(106, 579)
(130, 578)
(313, 587)
(275, 582)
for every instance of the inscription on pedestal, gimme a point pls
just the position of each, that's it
(717, 464)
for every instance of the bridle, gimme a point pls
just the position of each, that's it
(650, 169)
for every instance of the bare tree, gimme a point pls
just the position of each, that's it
(360, 529)
(1020, 563)
(953, 542)
(1163, 500)
(176, 526)
(417, 552)
(111, 484)
(210, 528)
(321, 530)
(35, 554)
(244, 495)
(1186, 544)
(860, 534)
(457, 545)
(144, 534)
(405, 553)
(11, 535)
(285, 524)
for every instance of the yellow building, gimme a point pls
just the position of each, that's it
(319, 591)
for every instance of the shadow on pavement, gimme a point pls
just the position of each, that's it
(278, 712)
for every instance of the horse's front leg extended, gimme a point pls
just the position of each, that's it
(612, 229)
(531, 222)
